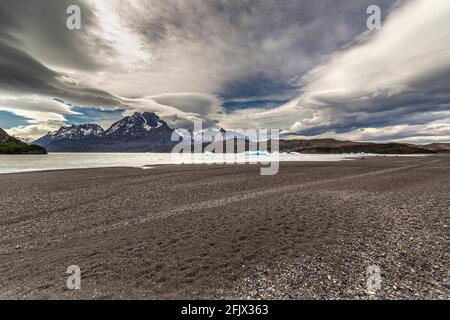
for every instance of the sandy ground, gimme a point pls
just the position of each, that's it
(309, 232)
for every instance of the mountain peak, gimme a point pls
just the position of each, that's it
(73, 132)
(138, 125)
(78, 131)
(137, 132)
(146, 114)
(151, 115)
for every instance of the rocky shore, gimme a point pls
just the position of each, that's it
(199, 231)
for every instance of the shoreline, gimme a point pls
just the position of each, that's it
(307, 158)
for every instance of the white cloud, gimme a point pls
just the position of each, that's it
(42, 113)
(33, 131)
(433, 132)
(130, 52)
(393, 75)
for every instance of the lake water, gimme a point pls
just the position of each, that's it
(58, 161)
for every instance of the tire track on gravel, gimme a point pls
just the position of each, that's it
(212, 204)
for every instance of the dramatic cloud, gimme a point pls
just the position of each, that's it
(250, 49)
(396, 76)
(38, 28)
(309, 67)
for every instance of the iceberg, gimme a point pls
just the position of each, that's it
(256, 153)
(209, 154)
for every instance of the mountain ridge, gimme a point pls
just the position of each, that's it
(147, 132)
(140, 132)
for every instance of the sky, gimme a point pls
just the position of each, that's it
(310, 68)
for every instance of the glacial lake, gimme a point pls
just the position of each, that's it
(60, 161)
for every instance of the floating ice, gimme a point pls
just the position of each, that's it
(256, 153)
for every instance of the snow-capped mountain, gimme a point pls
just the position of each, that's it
(141, 132)
(138, 125)
(74, 132)
(213, 135)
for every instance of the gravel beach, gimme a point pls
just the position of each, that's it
(203, 231)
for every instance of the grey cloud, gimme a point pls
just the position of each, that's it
(421, 104)
(201, 104)
(22, 74)
(393, 77)
(243, 49)
(39, 28)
